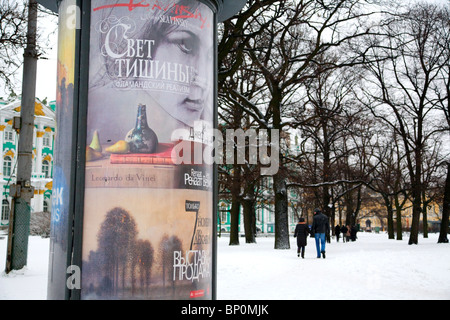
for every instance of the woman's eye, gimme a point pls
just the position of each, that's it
(186, 46)
(185, 41)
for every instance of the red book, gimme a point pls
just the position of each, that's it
(163, 155)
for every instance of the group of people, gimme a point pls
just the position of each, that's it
(348, 233)
(319, 230)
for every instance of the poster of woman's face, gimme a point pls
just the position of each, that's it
(147, 222)
(160, 55)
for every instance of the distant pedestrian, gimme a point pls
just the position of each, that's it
(344, 232)
(347, 234)
(337, 232)
(353, 232)
(320, 228)
(301, 233)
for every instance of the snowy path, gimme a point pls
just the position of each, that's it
(29, 283)
(371, 268)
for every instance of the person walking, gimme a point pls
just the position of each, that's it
(301, 233)
(353, 233)
(320, 228)
(337, 232)
(343, 231)
(347, 234)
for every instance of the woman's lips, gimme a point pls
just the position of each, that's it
(194, 104)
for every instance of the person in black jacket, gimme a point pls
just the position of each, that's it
(301, 233)
(353, 232)
(337, 232)
(344, 232)
(320, 228)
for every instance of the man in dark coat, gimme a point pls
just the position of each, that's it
(353, 232)
(320, 228)
(344, 232)
(301, 233)
(337, 232)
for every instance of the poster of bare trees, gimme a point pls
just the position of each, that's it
(147, 249)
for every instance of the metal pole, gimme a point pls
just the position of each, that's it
(22, 191)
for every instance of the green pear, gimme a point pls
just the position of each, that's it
(92, 154)
(120, 147)
(95, 144)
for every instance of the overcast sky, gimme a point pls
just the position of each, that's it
(46, 73)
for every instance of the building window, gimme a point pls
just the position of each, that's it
(7, 163)
(5, 210)
(46, 140)
(45, 207)
(223, 217)
(9, 135)
(46, 169)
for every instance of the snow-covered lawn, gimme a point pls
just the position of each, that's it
(373, 267)
(29, 283)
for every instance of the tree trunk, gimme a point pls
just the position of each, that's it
(425, 215)
(249, 220)
(281, 212)
(425, 221)
(235, 206)
(348, 200)
(234, 223)
(416, 185)
(399, 223)
(414, 234)
(248, 204)
(390, 216)
(443, 235)
(333, 220)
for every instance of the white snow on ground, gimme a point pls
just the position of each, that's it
(30, 283)
(373, 267)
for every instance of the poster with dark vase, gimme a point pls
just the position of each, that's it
(148, 219)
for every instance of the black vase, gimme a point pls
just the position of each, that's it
(142, 139)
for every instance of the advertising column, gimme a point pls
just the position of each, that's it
(148, 207)
(63, 170)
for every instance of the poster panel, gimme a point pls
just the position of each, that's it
(63, 169)
(148, 219)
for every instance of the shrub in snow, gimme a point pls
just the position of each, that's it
(40, 224)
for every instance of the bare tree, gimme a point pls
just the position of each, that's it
(443, 235)
(13, 30)
(145, 262)
(388, 178)
(443, 93)
(116, 237)
(401, 88)
(167, 246)
(13, 40)
(283, 42)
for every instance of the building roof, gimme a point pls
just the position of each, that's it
(40, 109)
